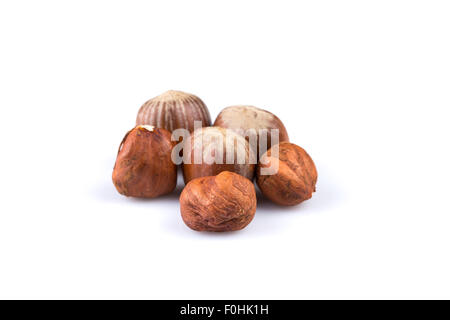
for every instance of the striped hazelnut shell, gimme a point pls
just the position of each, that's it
(295, 180)
(226, 202)
(144, 166)
(242, 118)
(174, 110)
(206, 154)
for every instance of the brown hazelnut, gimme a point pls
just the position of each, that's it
(211, 150)
(243, 119)
(144, 167)
(226, 202)
(296, 178)
(174, 110)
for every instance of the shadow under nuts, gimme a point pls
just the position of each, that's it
(211, 150)
(174, 110)
(226, 202)
(144, 167)
(296, 178)
(243, 118)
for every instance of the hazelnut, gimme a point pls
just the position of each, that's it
(296, 178)
(211, 150)
(226, 202)
(144, 167)
(174, 110)
(243, 119)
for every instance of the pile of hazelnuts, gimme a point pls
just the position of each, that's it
(219, 195)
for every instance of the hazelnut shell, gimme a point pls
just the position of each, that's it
(144, 166)
(226, 202)
(295, 180)
(174, 110)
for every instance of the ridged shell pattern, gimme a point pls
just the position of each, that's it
(173, 110)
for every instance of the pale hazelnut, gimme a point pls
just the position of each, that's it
(253, 122)
(212, 150)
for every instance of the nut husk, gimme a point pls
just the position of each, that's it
(174, 110)
(226, 202)
(144, 167)
(295, 180)
(211, 142)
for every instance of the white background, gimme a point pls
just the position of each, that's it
(363, 86)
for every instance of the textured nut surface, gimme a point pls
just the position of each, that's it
(209, 144)
(226, 202)
(295, 180)
(173, 110)
(240, 118)
(144, 167)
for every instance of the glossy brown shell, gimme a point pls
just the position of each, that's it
(173, 110)
(144, 167)
(295, 180)
(191, 170)
(241, 118)
(226, 202)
